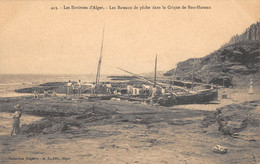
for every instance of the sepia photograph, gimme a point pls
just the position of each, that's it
(129, 81)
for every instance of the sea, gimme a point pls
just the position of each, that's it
(10, 82)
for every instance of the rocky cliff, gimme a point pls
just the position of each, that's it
(233, 64)
(251, 33)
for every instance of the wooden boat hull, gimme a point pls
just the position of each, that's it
(189, 98)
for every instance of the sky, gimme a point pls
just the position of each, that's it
(37, 40)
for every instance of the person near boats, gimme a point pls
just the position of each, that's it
(69, 85)
(129, 89)
(108, 88)
(93, 88)
(80, 87)
(162, 91)
(74, 88)
(16, 120)
(45, 93)
(35, 94)
(154, 90)
(54, 94)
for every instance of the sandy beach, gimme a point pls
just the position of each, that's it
(76, 130)
(130, 82)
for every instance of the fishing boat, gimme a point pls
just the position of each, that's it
(198, 97)
(180, 95)
(188, 96)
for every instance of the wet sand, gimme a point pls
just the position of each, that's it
(121, 132)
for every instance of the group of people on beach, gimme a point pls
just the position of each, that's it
(101, 88)
(74, 88)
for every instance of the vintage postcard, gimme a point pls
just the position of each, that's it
(129, 81)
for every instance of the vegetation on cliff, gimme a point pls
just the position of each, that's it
(233, 64)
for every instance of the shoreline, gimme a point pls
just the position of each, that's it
(234, 95)
(125, 132)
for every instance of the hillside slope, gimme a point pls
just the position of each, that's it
(235, 63)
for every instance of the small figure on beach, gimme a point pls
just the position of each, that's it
(80, 87)
(74, 88)
(224, 94)
(154, 92)
(129, 89)
(115, 92)
(162, 91)
(93, 88)
(251, 86)
(69, 84)
(35, 94)
(108, 88)
(16, 120)
(54, 94)
(45, 93)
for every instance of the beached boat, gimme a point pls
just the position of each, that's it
(199, 97)
(179, 95)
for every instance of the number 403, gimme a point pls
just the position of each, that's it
(54, 8)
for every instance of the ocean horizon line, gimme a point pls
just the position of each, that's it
(106, 74)
(56, 74)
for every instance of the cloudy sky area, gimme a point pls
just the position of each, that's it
(37, 40)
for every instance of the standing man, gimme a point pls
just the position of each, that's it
(69, 84)
(251, 86)
(109, 88)
(129, 89)
(154, 92)
(16, 120)
(163, 91)
(54, 94)
(45, 93)
(35, 94)
(93, 88)
(74, 87)
(79, 87)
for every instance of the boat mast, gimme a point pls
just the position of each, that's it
(148, 80)
(154, 84)
(138, 76)
(100, 59)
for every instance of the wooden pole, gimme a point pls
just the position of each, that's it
(147, 80)
(100, 59)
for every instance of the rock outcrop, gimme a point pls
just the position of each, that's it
(233, 64)
(251, 33)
